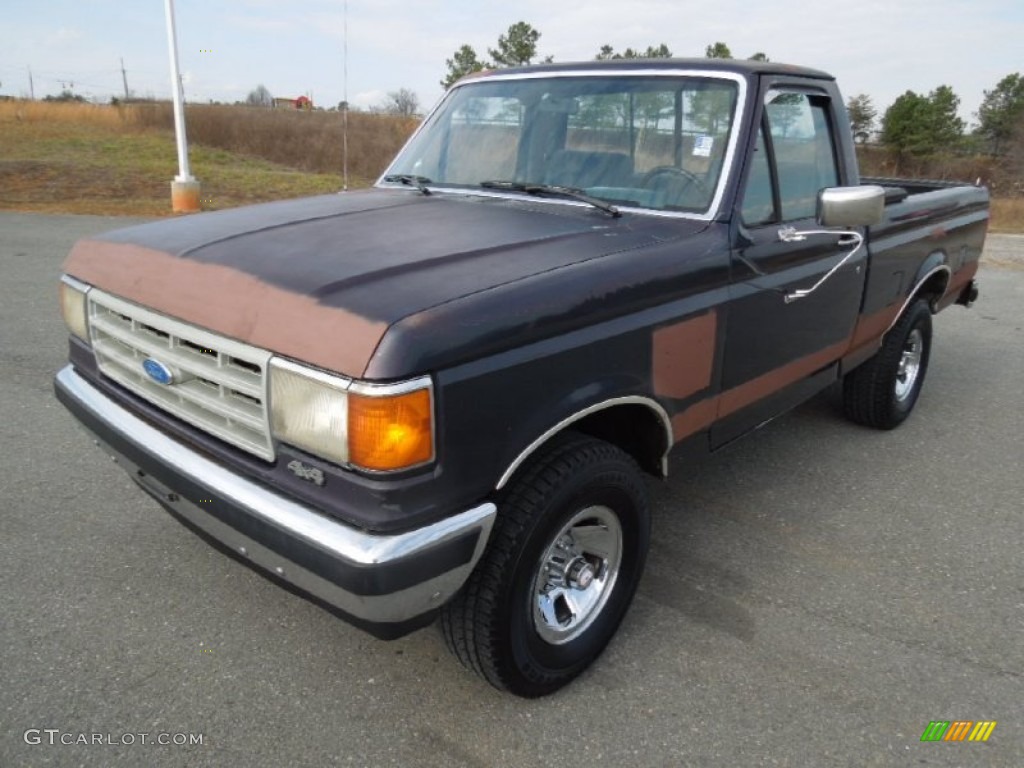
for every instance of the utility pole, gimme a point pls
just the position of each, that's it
(31, 85)
(124, 77)
(184, 188)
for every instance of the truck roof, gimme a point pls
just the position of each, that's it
(739, 66)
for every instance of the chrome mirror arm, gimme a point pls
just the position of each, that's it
(791, 235)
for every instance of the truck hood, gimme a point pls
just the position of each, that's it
(323, 279)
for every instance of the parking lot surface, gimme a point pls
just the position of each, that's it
(815, 595)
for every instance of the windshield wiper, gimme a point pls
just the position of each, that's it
(420, 182)
(554, 190)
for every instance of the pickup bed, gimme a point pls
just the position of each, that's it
(439, 397)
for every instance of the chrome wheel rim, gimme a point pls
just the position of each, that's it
(909, 368)
(576, 575)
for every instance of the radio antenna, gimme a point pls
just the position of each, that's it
(344, 116)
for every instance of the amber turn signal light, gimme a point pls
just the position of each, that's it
(389, 433)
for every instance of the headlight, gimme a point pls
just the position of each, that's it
(72, 306)
(309, 409)
(376, 427)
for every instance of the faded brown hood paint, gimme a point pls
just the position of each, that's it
(229, 302)
(323, 279)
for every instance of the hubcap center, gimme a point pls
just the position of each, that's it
(580, 574)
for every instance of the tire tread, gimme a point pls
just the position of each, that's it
(868, 396)
(470, 622)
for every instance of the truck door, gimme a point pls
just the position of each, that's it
(780, 350)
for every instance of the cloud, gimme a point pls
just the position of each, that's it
(64, 35)
(367, 99)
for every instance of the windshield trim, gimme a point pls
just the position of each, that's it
(725, 176)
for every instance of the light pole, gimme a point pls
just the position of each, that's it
(184, 188)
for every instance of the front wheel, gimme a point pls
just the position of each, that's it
(560, 570)
(882, 392)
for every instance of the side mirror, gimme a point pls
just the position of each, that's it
(851, 206)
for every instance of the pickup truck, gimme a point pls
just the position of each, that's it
(439, 398)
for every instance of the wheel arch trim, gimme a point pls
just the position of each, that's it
(614, 402)
(917, 288)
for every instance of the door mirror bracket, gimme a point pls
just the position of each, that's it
(839, 207)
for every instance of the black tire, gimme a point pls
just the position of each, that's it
(882, 392)
(495, 625)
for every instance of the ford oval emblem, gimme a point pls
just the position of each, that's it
(157, 371)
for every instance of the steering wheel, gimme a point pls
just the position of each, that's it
(672, 178)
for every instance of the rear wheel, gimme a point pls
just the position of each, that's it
(882, 392)
(559, 572)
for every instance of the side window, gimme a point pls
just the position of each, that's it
(804, 150)
(758, 207)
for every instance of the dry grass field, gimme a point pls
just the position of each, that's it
(1004, 182)
(85, 158)
(1008, 215)
(306, 141)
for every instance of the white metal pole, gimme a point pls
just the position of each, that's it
(344, 117)
(179, 110)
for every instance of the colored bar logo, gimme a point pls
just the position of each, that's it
(958, 730)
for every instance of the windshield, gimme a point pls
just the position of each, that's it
(640, 141)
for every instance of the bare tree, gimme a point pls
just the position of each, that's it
(402, 102)
(259, 97)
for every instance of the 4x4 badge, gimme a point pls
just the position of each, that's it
(312, 474)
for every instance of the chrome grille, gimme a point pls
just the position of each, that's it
(222, 388)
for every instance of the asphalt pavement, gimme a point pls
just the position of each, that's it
(816, 594)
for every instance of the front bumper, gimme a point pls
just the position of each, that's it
(387, 585)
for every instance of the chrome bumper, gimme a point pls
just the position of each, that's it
(381, 583)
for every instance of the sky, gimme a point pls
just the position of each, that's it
(228, 47)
